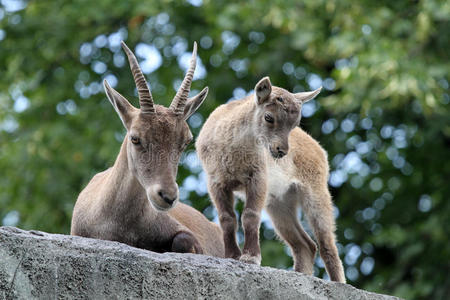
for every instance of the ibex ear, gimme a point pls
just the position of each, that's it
(123, 108)
(306, 96)
(262, 90)
(193, 103)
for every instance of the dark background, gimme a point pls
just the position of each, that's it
(383, 115)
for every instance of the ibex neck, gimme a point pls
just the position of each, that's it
(245, 118)
(123, 185)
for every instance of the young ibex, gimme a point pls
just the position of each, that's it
(254, 146)
(130, 202)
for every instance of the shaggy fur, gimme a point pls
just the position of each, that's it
(253, 146)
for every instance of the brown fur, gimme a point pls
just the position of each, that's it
(275, 165)
(134, 202)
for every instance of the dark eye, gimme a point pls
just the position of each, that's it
(268, 118)
(279, 99)
(135, 140)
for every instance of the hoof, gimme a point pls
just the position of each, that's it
(247, 258)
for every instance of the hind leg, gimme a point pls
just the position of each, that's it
(283, 213)
(319, 211)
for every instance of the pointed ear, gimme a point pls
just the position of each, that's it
(306, 96)
(262, 90)
(123, 108)
(193, 103)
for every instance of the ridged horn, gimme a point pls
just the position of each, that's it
(181, 97)
(145, 97)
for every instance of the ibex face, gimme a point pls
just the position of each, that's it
(155, 143)
(156, 135)
(277, 113)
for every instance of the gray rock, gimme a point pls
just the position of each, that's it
(38, 265)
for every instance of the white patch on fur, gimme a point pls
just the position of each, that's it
(279, 178)
(240, 195)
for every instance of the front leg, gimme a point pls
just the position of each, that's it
(256, 192)
(163, 233)
(224, 201)
(185, 242)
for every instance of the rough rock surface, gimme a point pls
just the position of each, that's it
(52, 266)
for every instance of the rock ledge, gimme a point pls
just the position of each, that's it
(35, 264)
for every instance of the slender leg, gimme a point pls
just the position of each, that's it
(251, 217)
(283, 214)
(224, 201)
(319, 210)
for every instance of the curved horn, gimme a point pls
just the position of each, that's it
(145, 97)
(181, 97)
(306, 96)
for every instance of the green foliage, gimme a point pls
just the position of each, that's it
(383, 117)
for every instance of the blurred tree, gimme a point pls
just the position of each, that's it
(383, 116)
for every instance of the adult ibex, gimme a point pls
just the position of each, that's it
(134, 201)
(254, 146)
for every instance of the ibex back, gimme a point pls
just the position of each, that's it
(134, 201)
(254, 146)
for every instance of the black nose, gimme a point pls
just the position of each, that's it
(168, 199)
(280, 153)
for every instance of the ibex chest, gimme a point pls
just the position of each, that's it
(280, 178)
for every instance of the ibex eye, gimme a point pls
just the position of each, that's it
(135, 140)
(268, 118)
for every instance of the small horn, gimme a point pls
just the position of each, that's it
(181, 97)
(145, 97)
(306, 96)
